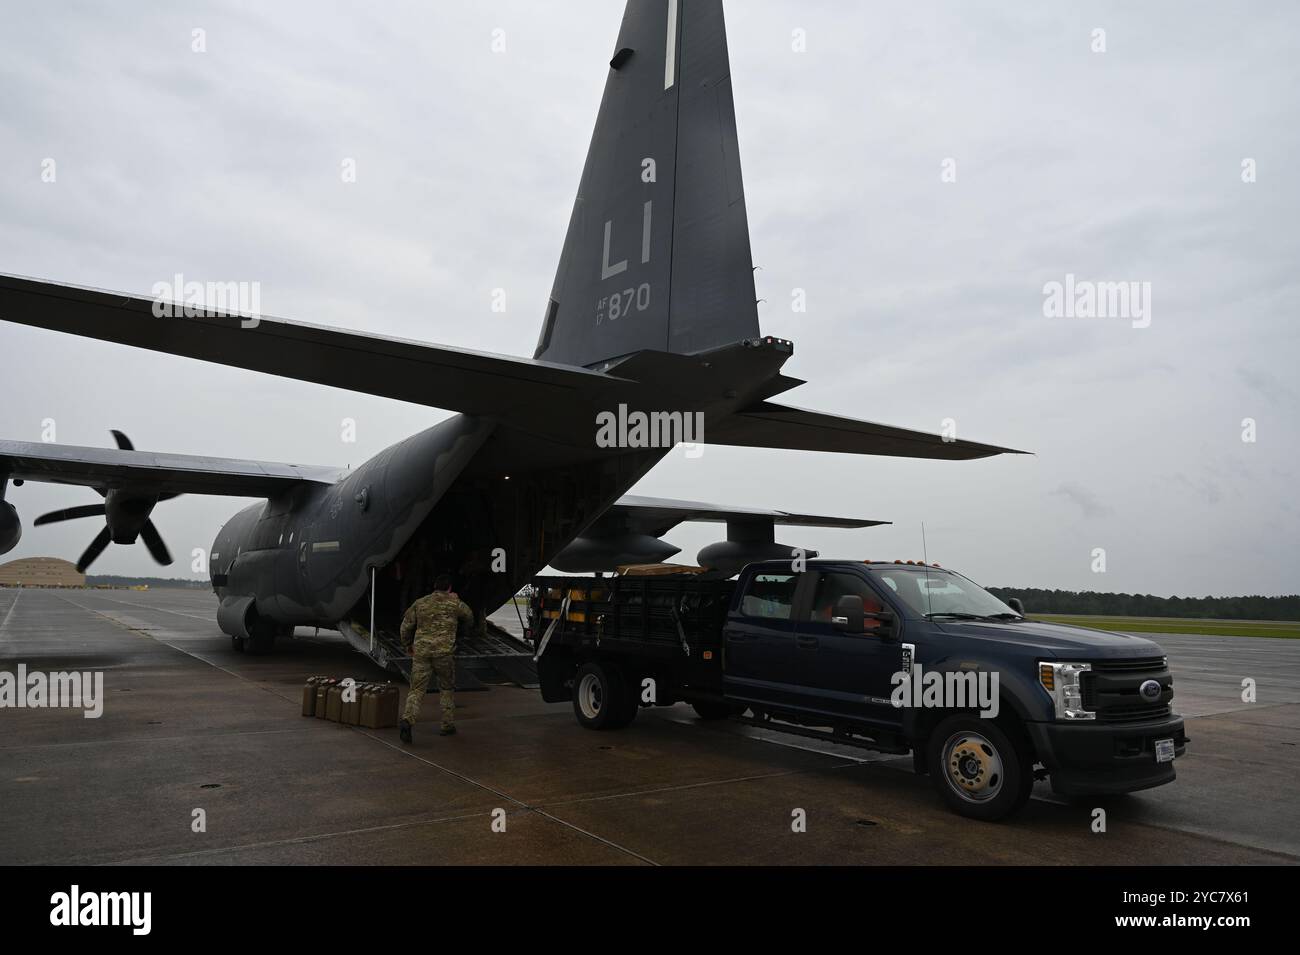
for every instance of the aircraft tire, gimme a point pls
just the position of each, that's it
(261, 638)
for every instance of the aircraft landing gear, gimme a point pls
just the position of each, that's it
(237, 644)
(261, 637)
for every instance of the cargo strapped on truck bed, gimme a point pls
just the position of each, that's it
(675, 614)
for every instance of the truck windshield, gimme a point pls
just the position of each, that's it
(940, 593)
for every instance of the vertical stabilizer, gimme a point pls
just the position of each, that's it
(657, 253)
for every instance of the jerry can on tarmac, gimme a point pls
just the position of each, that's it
(334, 703)
(379, 706)
(350, 713)
(309, 695)
(322, 696)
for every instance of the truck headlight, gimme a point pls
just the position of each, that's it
(1063, 683)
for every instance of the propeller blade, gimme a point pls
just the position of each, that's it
(123, 442)
(95, 549)
(153, 540)
(69, 514)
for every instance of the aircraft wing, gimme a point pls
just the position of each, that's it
(110, 468)
(525, 390)
(770, 425)
(656, 516)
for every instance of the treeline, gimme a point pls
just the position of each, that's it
(1148, 605)
(113, 580)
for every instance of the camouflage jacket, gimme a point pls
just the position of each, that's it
(432, 621)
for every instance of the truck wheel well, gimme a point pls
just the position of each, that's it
(1009, 718)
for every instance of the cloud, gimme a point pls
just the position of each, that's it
(1085, 499)
(1262, 382)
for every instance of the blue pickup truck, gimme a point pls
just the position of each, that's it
(897, 656)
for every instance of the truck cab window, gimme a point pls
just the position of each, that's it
(831, 587)
(770, 596)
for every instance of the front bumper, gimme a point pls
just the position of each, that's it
(1085, 759)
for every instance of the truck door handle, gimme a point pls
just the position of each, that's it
(808, 643)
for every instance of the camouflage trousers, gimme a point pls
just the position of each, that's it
(423, 666)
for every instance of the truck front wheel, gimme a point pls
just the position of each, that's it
(979, 769)
(600, 697)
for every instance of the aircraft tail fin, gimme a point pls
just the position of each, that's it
(657, 254)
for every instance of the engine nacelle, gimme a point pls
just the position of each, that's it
(730, 556)
(11, 527)
(235, 615)
(749, 539)
(607, 553)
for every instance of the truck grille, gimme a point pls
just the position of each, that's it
(1134, 714)
(1129, 666)
(1111, 690)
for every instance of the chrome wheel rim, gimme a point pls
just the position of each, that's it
(973, 767)
(590, 696)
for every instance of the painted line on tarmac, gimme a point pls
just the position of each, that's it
(133, 603)
(147, 739)
(17, 594)
(291, 841)
(577, 800)
(150, 635)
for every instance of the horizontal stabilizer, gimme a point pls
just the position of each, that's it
(769, 425)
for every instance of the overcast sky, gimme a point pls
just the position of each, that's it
(925, 298)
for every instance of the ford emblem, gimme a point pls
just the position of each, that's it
(1150, 690)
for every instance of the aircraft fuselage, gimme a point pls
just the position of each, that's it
(445, 500)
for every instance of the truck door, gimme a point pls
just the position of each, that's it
(758, 641)
(847, 674)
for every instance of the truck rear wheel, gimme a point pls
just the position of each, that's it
(630, 705)
(979, 769)
(600, 697)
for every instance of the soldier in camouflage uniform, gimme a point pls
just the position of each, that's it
(430, 624)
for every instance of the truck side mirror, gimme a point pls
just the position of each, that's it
(1015, 604)
(849, 614)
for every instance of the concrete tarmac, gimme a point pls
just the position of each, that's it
(188, 724)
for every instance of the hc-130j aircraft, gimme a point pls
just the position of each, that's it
(653, 310)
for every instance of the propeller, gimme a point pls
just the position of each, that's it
(122, 507)
(102, 540)
(153, 540)
(70, 514)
